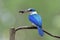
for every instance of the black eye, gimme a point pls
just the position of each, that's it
(30, 10)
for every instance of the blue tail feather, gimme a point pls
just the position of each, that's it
(40, 31)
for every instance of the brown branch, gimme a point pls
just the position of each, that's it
(25, 27)
(33, 27)
(13, 31)
(51, 34)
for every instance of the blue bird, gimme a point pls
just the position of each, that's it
(35, 19)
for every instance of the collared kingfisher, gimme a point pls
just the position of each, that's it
(35, 19)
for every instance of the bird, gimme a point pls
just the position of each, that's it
(35, 19)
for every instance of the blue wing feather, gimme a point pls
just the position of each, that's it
(36, 19)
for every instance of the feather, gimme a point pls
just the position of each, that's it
(36, 19)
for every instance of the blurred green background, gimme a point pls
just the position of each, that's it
(10, 17)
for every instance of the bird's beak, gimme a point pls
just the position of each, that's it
(24, 11)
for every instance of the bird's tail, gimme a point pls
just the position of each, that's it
(40, 31)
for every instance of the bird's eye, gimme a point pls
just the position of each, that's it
(30, 10)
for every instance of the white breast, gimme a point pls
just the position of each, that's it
(31, 13)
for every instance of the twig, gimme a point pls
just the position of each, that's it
(33, 27)
(25, 27)
(13, 31)
(51, 34)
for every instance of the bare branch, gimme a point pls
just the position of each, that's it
(12, 33)
(33, 27)
(25, 27)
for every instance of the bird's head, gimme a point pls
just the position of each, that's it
(30, 10)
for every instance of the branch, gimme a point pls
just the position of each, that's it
(12, 33)
(33, 27)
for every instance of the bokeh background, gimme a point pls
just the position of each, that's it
(10, 17)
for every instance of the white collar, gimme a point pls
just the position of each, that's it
(31, 13)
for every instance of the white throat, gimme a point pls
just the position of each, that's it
(31, 13)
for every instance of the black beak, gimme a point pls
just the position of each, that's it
(23, 11)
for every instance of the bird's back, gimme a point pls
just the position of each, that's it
(36, 19)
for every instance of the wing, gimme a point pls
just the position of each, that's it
(36, 19)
